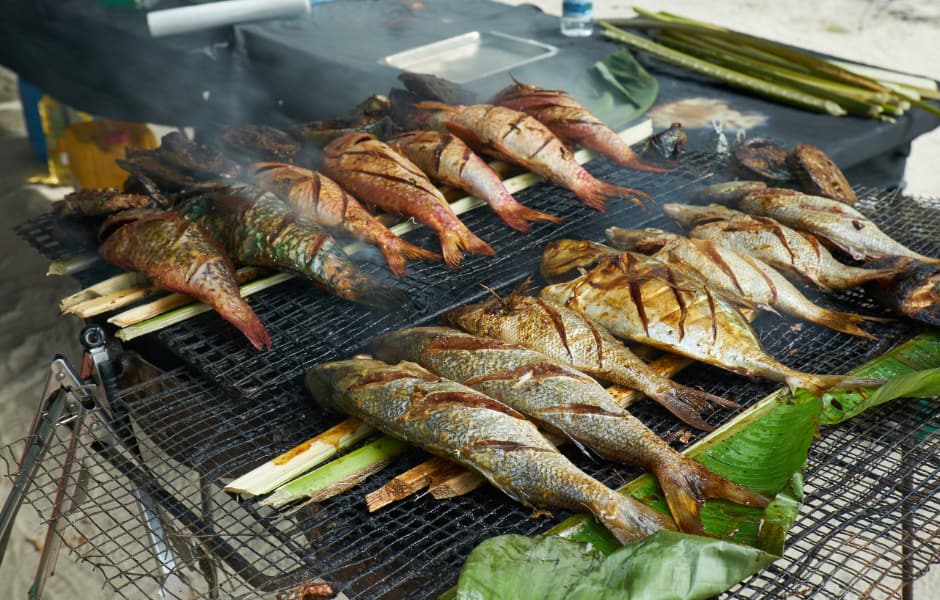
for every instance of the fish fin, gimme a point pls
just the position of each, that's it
(434, 105)
(817, 384)
(241, 315)
(398, 253)
(599, 191)
(629, 520)
(518, 216)
(688, 484)
(453, 241)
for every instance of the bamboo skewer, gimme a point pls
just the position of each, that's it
(108, 286)
(411, 482)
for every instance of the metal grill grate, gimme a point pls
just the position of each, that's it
(867, 481)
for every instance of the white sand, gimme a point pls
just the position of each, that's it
(893, 34)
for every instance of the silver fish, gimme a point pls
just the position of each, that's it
(792, 252)
(567, 401)
(741, 278)
(463, 425)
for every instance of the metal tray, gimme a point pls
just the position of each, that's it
(470, 56)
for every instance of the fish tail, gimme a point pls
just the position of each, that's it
(398, 252)
(686, 403)
(847, 322)
(628, 519)
(237, 312)
(686, 485)
(597, 193)
(455, 240)
(817, 384)
(635, 163)
(875, 275)
(518, 216)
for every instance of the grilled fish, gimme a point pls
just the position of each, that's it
(463, 425)
(88, 202)
(571, 122)
(738, 277)
(520, 139)
(777, 245)
(259, 229)
(566, 336)
(182, 256)
(830, 220)
(818, 175)
(379, 175)
(641, 299)
(323, 201)
(569, 402)
(445, 158)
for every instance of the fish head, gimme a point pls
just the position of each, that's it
(562, 258)
(640, 240)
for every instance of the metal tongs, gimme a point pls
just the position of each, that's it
(87, 404)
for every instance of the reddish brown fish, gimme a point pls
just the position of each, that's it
(375, 172)
(572, 122)
(518, 138)
(182, 256)
(323, 201)
(447, 159)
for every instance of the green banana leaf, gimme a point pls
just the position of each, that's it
(765, 448)
(625, 89)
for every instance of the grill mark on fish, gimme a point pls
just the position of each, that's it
(285, 222)
(394, 178)
(438, 154)
(512, 127)
(725, 268)
(430, 402)
(774, 229)
(680, 301)
(503, 446)
(558, 323)
(388, 376)
(542, 147)
(314, 248)
(599, 342)
(581, 409)
(536, 371)
(627, 262)
(460, 342)
(712, 310)
(767, 279)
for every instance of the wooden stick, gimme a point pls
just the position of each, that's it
(458, 485)
(410, 482)
(97, 306)
(103, 288)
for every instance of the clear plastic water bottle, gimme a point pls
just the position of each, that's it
(577, 18)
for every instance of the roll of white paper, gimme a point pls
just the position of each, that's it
(218, 14)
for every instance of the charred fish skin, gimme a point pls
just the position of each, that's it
(831, 220)
(565, 335)
(258, 229)
(566, 401)
(377, 174)
(445, 158)
(183, 257)
(914, 293)
(572, 122)
(739, 277)
(520, 139)
(461, 424)
(779, 246)
(323, 201)
(641, 299)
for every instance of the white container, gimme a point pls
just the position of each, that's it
(187, 19)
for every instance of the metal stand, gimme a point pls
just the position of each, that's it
(87, 405)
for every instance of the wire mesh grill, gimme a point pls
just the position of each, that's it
(872, 484)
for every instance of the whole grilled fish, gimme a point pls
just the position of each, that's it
(182, 256)
(567, 401)
(914, 292)
(572, 122)
(463, 425)
(324, 202)
(379, 175)
(830, 220)
(523, 140)
(818, 175)
(566, 336)
(445, 158)
(738, 277)
(776, 244)
(644, 300)
(259, 229)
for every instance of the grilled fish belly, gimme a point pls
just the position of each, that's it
(459, 423)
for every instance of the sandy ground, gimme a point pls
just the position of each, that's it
(898, 34)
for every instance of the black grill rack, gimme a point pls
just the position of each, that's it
(872, 484)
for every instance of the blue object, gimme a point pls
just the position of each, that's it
(30, 96)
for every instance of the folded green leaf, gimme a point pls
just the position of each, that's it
(625, 89)
(845, 405)
(666, 565)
